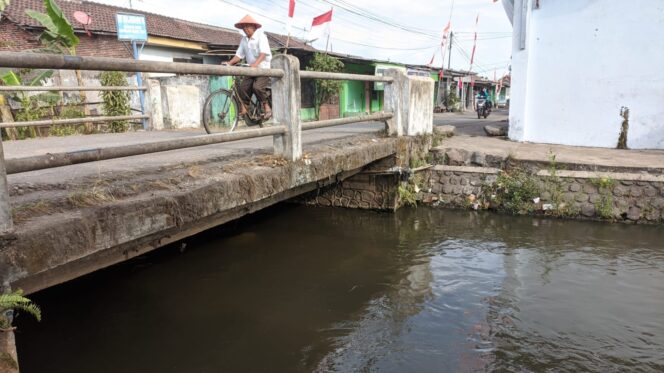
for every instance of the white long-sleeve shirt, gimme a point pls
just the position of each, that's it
(250, 49)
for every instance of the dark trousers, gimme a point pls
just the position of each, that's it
(255, 85)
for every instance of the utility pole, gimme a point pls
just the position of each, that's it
(449, 59)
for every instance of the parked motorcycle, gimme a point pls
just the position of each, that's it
(483, 108)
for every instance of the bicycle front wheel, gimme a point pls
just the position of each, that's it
(220, 112)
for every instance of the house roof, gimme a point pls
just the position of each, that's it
(279, 41)
(103, 21)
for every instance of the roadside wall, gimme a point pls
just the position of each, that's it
(570, 85)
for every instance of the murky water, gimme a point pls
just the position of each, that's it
(305, 289)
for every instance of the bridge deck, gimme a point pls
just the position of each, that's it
(76, 219)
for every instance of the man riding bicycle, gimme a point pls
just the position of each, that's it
(255, 48)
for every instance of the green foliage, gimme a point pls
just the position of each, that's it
(452, 101)
(407, 195)
(603, 183)
(115, 102)
(3, 4)
(59, 33)
(604, 205)
(512, 192)
(17, 302)
(11, 79)
(325, 89)
(70, 111)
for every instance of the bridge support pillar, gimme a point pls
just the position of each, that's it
(286, 100)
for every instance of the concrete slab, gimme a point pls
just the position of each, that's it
(581, 157)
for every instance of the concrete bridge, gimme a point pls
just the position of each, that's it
(70, 206)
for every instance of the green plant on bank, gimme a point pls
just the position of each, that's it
(512, 192)
(604, 205)
(408, 191)
(407, 195)
(325, 89)
(552, 184)
(17, 302)
(115, 103)
(417, 162)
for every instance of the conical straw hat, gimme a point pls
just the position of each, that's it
(248, 20)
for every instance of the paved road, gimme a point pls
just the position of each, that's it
(467, 123)
(25, 148)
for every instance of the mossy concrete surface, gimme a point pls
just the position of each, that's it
(65, 231)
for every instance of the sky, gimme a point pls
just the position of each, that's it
(407, 31)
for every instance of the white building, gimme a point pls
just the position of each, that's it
(578, 64)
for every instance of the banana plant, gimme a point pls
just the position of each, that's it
(13, 79)
(58, 33)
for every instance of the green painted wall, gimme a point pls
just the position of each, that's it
(351, 99)
(307, 114)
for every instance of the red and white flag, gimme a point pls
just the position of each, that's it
(291, 13)
(472, 55)
(320, 26)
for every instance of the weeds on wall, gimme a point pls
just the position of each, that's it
(604, 205)
(512, 192)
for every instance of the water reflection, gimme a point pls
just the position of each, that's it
(304, 289)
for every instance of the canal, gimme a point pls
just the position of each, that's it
(312, 289)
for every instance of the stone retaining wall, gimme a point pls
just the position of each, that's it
(363, 191)
(628, 197)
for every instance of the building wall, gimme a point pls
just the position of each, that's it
(570, 84)
(16, 39)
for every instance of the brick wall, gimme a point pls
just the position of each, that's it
(15, 39)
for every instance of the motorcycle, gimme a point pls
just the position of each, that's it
(483, 108)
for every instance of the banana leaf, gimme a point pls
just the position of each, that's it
(57, 26)
(37, 80)
(11, 79)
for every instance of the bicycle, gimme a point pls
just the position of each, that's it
(221, 110)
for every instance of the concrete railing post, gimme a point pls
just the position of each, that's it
(6, 223)
(286, 100)
(396, 101)
(410, 99)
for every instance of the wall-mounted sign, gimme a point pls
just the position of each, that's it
(131, 27)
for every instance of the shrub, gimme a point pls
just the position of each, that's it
(116, 103)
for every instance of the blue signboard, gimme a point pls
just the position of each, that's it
(131, 27)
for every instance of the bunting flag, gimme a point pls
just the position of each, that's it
(291, 13)
(472, 55)
(320, 26)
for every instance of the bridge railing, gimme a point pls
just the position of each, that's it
(286, 97)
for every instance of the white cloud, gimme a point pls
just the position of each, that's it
(349, 30)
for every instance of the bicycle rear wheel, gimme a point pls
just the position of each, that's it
(220, 112)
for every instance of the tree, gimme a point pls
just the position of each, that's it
(325, 89)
